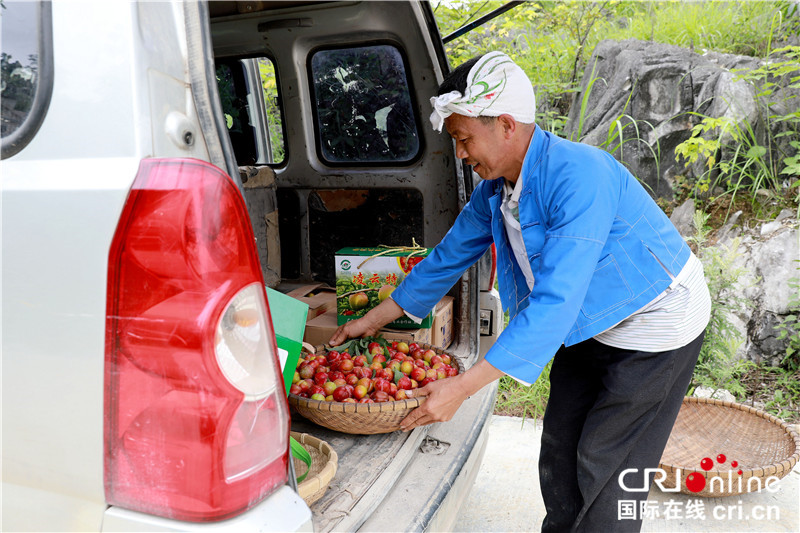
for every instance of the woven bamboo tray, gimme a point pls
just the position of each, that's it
(743, 446)
(361, 418)
(324, 462)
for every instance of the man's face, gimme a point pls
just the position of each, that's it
(482, 144)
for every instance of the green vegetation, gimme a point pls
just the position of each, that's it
(270, 85)
(775, 388)
(754, 167)
(735, 158)
(551, 40)
(789, 328)
(516, 399)
(717, 366)
(17, 87)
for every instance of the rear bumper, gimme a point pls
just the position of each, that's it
(430, 492)
(284, 510)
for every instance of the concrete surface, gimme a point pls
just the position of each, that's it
(506, 495)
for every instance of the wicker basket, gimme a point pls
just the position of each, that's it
(324, 462)
(361, 418)
(756, 446)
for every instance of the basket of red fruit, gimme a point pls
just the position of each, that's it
(361, 386)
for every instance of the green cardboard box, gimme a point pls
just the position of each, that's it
(289, 323)
(366, 276)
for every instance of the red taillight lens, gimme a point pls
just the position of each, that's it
(197, 423)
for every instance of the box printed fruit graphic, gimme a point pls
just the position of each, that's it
(367, 276)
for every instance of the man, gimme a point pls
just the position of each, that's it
(594, 276)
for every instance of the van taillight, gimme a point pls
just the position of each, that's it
(196, 419)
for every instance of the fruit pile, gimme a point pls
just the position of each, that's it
(369, 370)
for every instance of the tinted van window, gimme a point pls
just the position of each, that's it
(248, 90)
(26, 71)
(363, 106)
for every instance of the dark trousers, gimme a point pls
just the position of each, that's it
(609, 410)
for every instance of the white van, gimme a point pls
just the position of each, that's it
(162, 162)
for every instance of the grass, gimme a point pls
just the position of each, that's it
(746, 28)
(762, 206)
(774, 390)
(516, 399)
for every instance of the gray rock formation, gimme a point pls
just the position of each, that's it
(769, 261)
(644, 98)
(683, 217)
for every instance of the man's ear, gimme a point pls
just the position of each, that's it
(508, 124)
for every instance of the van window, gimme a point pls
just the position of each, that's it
(248, 90)
(363, 108)
(27, 75)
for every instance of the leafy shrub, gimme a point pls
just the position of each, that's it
(717, 366)
(789, 328)
(744, 157)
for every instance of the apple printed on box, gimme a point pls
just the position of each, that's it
(365, 276)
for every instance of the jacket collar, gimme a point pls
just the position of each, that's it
(536, 151)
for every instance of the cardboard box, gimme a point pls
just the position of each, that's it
(319, 330)
(442, 329)
(366, 276)
(321, 300)
(288, 323)
(408, 335)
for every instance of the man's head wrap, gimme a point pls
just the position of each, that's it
(495, 86)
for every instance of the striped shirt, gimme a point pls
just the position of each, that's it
(673, 319)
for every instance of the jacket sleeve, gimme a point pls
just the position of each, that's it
(579, 198)
(461, 247)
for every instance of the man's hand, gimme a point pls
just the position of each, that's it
(445, 396)
(369, 324)
(359, 327)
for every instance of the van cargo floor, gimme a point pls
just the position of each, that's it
(370, 484)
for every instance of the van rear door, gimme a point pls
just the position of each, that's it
(349, 159)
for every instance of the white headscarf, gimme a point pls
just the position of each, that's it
(495, 86)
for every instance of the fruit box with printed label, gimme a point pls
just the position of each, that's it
(367, 276)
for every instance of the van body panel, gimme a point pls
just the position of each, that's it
(136, 80)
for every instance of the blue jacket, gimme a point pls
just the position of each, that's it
(598, 245)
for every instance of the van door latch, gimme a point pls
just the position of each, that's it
(485, 318)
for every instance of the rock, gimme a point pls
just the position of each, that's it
(775, 262)
(727, 232)
(739, 322)
(768, 228)
(778, 223)
(683, 217)
(784, 214)
(765, 346)
(718, 394)
(767, 264)
(656, 93)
